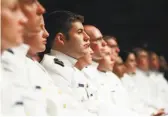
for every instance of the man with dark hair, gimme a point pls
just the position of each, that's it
(59, 23)
(68, 49)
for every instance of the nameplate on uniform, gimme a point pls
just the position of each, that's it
(10, 51)
(19, 103)
(56, 61)
(91, 94)
(38, 87)
(113, 91)
(81, 85)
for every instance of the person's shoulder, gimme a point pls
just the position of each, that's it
(50, 61)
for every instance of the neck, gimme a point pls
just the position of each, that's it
(143, 68)
(3, 46)
(31, 54)
(101, 68)
(96, 59)
(80, 64)
(129, 71)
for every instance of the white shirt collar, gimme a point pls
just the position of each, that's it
(22, 50)
(68, 60)
(94, 64)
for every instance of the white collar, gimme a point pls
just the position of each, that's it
(94, 64)
(146, 73)
(22, 50)
(67, 60)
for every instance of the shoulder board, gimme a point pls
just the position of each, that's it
(19, 103)
(56, 61)
(81, 85)
(10, 51)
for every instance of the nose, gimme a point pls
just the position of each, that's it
(22, 19)
(86, 37)
(117, 49)
(45, 34)
(40, 9)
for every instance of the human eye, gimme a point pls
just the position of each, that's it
(80, 31)
(15, 7)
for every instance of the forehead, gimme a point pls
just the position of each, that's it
(154, 56)
(76, 26)
(6, 3)
(143, 53)
(111, 42)
(94, 34)
(131, 56)
(97, 34)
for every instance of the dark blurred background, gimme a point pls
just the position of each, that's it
(135, 23)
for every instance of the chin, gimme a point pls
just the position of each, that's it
(90, 62)
(42, 49)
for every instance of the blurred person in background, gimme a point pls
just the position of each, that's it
(112, 43)
(154, 61)
(158, 78)
(100, 73)
(13, 21)
(19, 91)
(119, 67)
(163, 66)
(145, 79)
(128, 81)
(97, 43)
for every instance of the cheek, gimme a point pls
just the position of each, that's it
(9, 24)
(131, 65)
(95, 47)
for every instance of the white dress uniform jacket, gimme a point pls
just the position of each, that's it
(136, 101)
(17, 95)
(147, 90)
(162, 88)
(56, 102)
(110, 91)
(67, 77)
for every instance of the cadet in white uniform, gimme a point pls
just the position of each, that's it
(143, 78)
(126, 72)
(158, 78)
(106, 81)
(110, 89)
(13, 21)
(68, 48)
(21, 98)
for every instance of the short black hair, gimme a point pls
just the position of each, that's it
(124, 55)
(60, 21)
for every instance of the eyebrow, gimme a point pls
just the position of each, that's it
(97, 39)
